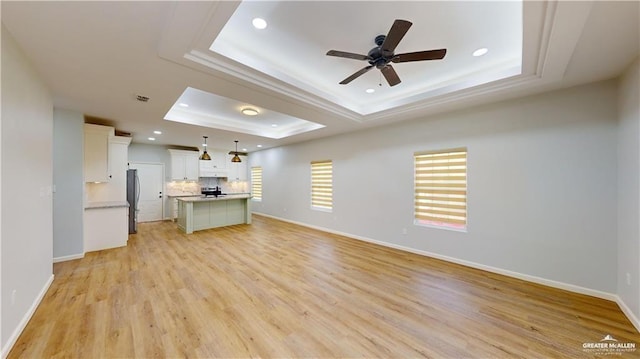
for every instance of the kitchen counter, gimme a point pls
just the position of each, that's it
(106, 204)
(198, 213)
(106, 225)
(226, 197)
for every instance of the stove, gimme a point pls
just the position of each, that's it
(212, 192)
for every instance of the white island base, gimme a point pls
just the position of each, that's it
(198, 213)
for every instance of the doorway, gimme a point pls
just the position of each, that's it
(150, 204)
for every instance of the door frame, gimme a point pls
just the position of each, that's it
(164, 182)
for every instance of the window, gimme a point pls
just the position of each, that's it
(440, 184)
(256, 183)
(322, 185)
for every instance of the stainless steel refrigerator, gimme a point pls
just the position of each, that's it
(133, 195)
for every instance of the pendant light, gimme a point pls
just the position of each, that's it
(236, 158)
(205, 156)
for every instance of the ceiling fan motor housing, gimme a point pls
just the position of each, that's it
(377, 56)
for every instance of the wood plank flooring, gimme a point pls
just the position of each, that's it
(277, 290)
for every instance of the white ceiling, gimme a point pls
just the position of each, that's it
(96, 57)
(293, 46)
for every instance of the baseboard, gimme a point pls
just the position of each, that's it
(508, 273)
(628, 312)
(68, 258)
(23, 323)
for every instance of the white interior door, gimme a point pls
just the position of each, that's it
(150, 204)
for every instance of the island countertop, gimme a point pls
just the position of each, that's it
(219, 198)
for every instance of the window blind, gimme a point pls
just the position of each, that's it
(440, 184)
(322, 184)
(256, 183)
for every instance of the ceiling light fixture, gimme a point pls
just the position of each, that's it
(157, 132)
(481, 51)
(259, 146)
(151, 138)
(205, 156)
(236, 158)
(259, 23)
(274, 125)
(369, 90)
(182, 104)
(248, 111)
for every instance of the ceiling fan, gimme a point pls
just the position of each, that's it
(383, 54)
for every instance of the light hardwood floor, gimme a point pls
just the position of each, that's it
(274, 289)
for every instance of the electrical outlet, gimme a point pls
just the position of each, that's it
(628, 279)
(404, 231)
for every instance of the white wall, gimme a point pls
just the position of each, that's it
(139, 152)
(27, 240)
(629, 189)
(68, 149)
(541, 183)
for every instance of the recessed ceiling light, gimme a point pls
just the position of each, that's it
(157, 132)
(244, 149)
(369, 90)
(204, 145)
(274, 125)
(481, 51)
(259, 146)
(152, 138)
(259, 23)
(249, 111)
(182, 104)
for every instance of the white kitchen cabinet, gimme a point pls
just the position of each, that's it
(105, 226)
(237, 171)
(216, 167)
(96, 152)
(184, 165)
(116, 188)
(118, 154)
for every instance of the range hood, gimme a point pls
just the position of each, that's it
(211, 169)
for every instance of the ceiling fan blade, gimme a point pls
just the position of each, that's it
(420, 56)
(396, 33)
(360, 72)
(348, 55)
(390, 75)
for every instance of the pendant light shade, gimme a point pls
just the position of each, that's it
(236, 158)
(205, 156)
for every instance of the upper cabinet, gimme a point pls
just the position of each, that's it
(216, 167)
(184, 165)
(96, 152)
(237, 170)
(118, 154)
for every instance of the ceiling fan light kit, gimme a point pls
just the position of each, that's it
(383, 54)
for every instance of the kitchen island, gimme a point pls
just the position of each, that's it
(198, 213)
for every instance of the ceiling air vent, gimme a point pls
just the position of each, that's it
(142, 98)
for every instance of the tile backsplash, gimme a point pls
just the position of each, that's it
(178, 188)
